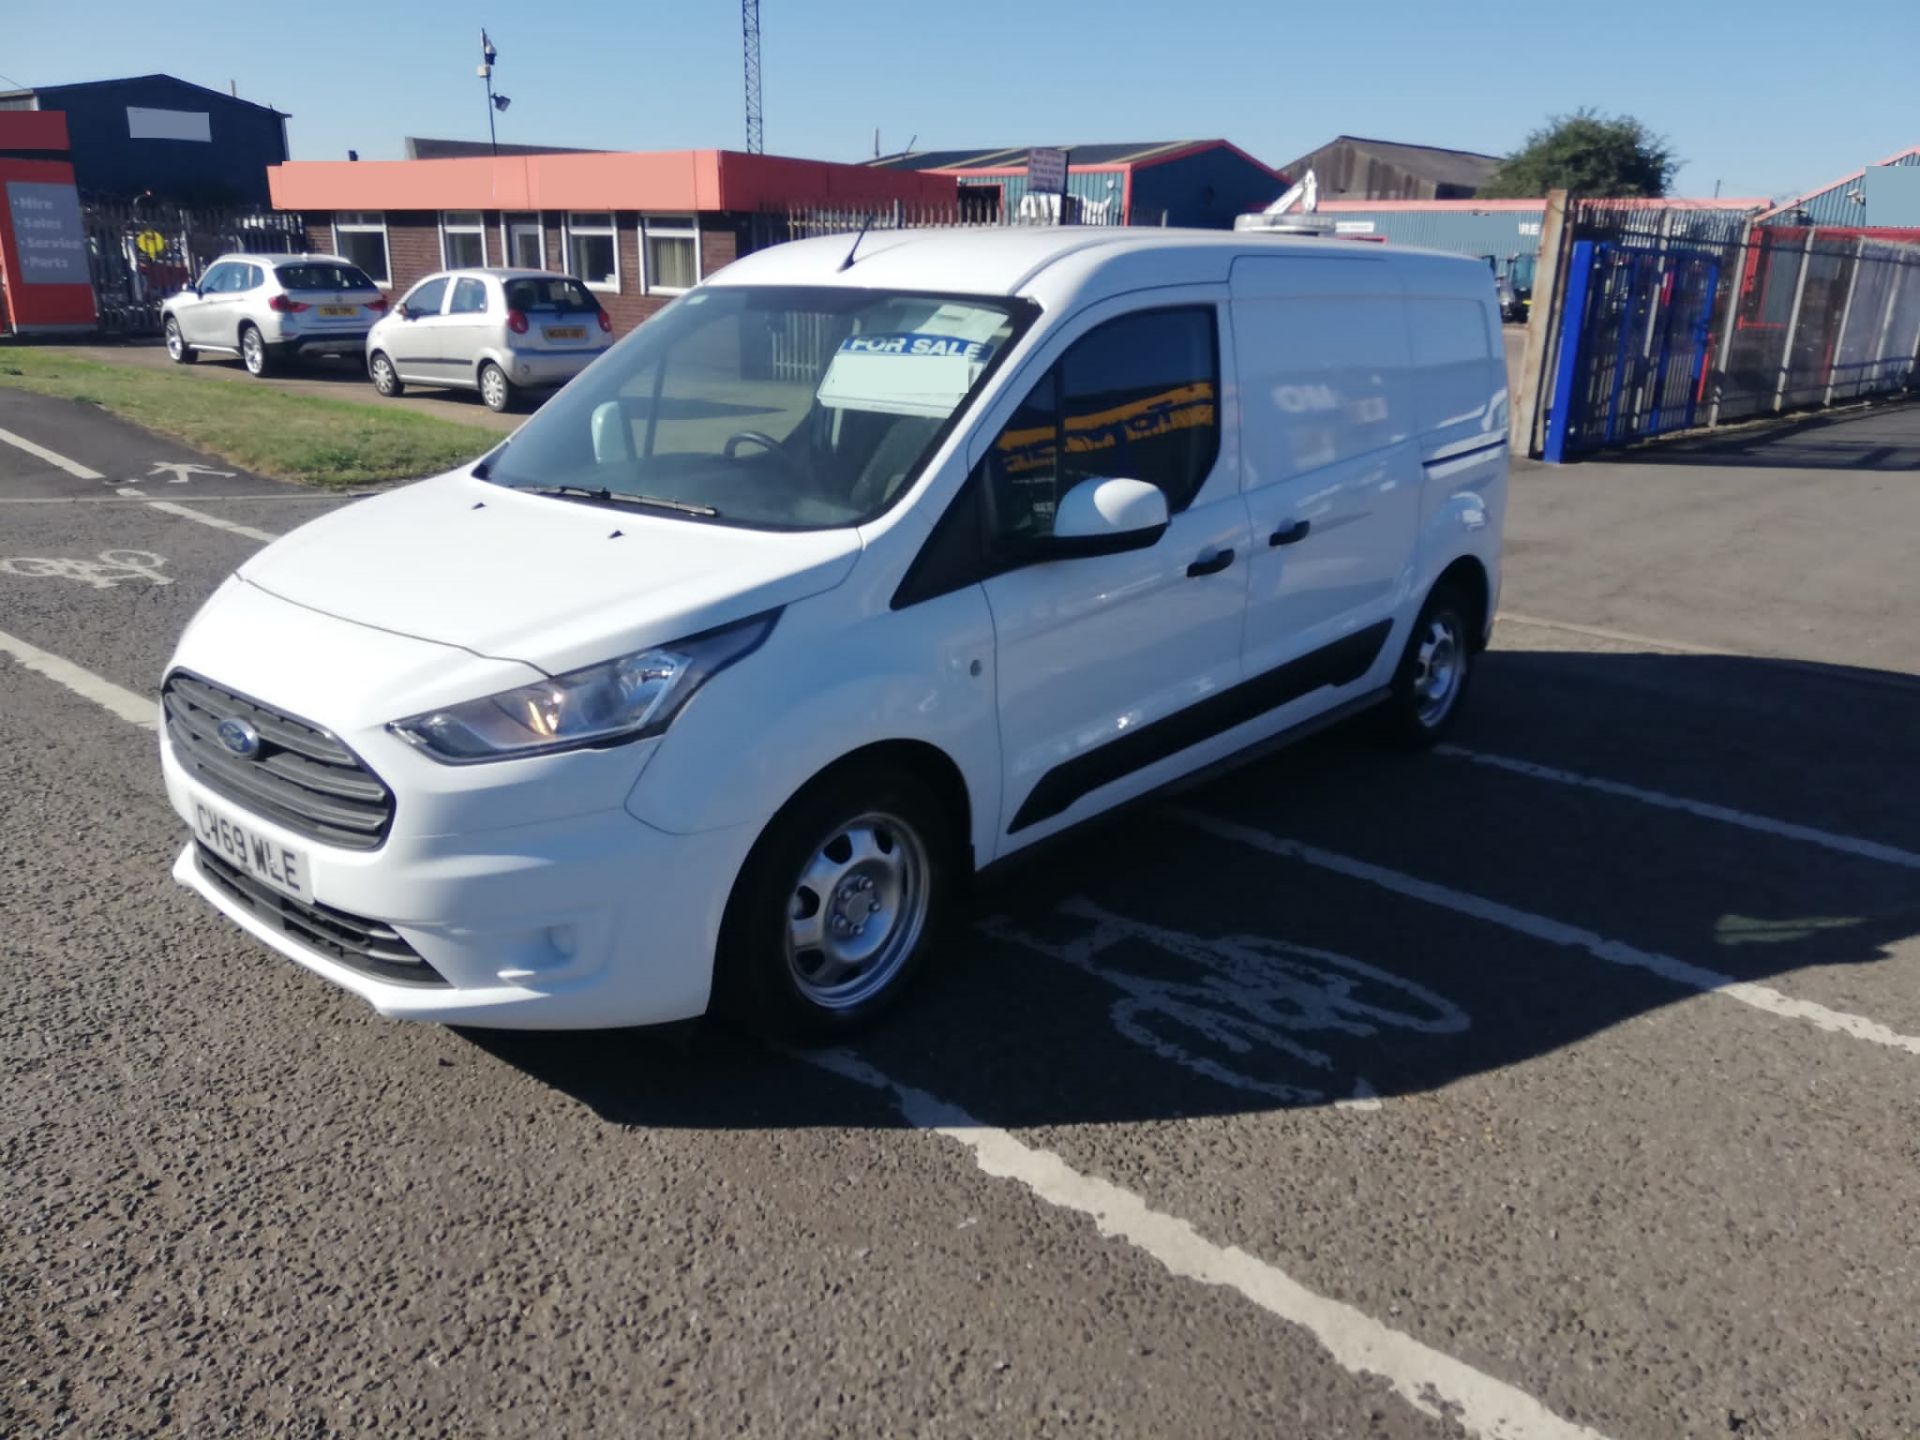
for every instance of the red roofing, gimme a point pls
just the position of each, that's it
(673, 180)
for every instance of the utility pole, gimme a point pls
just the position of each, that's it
(750, 45)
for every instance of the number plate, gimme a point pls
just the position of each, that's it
(566, 332)
(282, 866)
(338, 312)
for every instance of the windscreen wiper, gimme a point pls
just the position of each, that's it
(622, 497)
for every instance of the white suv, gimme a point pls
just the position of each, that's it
(827, 586)
(266, 308)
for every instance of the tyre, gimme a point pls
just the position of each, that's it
(839, 906)
(386, 380)
(255, 353)
(178, 350)
(1431, 682)
(495, 389)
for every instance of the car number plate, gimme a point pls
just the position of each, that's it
(339, 312)
(566, 332)
(284, 867)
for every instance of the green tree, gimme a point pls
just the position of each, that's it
(1589, 154)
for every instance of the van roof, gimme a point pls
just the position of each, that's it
(1011, 260)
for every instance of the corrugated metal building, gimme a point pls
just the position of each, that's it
(153, 134)
(1165, 182)
(1507, 232)
(1351, 168)
(1882, 196)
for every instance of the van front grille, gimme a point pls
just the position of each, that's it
(301, 777)
(364, 945)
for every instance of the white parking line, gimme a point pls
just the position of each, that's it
(1431, 1382)
(1846, 844)
(135, 709)
(1556, 932)
(72, 467)
(214, 520)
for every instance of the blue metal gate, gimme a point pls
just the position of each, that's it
(1634, 346)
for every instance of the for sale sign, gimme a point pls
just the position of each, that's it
(49, 242)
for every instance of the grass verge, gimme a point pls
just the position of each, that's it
(291, 437)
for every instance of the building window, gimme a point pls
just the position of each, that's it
(593, 255)
(523, 242)
(671, 245)
(361, 236)
(463, 243)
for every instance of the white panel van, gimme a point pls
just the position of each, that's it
(866, 564)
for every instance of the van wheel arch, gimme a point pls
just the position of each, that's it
(926, 762)
(1468, 577)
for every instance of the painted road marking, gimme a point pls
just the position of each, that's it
(1431, 1382)
(72, 467)
(1252, 995)
(1556, 932)
(134, 709)
(1845, 844)
(214, 520)
(114, 567)
(180, 472)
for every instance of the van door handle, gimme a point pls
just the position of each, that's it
(1211, 564)
(1290, 534)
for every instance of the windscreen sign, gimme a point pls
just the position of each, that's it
(926, 371)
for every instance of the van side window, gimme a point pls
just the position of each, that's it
(1136, 398)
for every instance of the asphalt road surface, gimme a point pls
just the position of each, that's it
(1565, 1083)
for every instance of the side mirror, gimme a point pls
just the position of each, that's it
(612, 436)
(402, 311)
(1106, 517)
(191, 289)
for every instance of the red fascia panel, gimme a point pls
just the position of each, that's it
(660, 181)
(34, 130)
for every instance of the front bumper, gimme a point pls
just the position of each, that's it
(596, 921)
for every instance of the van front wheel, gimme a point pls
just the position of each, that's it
(838, 906)
(1431, 683)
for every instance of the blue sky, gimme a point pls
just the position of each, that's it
(1764, 96)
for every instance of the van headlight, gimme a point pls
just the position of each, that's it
(626, 698)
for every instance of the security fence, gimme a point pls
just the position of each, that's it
(1674, 320)
(140, 252)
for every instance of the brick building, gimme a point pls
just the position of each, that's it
(637, 228)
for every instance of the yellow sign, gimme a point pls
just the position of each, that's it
(150, 243)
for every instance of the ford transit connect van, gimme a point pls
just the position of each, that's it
(860, 567)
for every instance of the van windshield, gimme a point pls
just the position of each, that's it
(789, 408)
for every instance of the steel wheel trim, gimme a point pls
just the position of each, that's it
(493, 387)
(1438, 672)
(175, 343)
(252, 351)
(857, 910)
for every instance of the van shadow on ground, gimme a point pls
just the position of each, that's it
(1149, 970)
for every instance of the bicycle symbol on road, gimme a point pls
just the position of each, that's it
(113, 567)
(1250, 998)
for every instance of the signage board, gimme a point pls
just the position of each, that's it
(1047, 171)
(49, 242)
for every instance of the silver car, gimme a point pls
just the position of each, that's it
(267, 308)
(495, 331)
